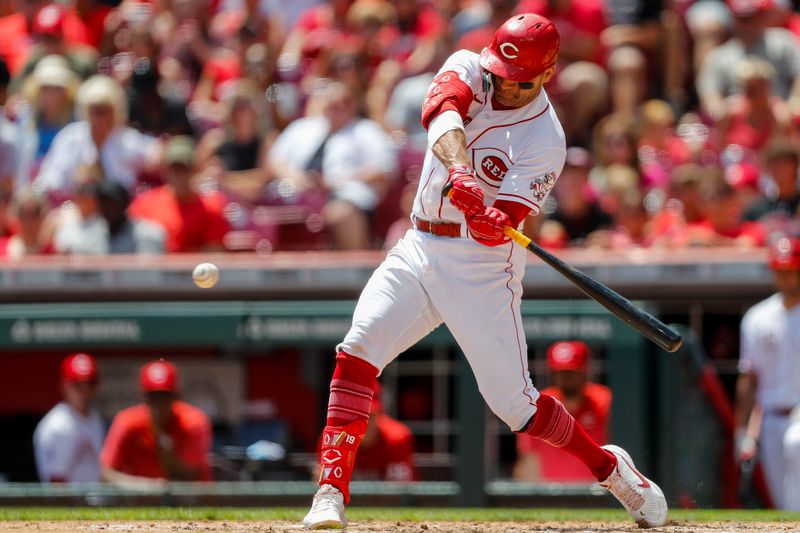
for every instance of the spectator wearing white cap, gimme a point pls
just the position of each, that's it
(101, 135)
(50, 93)
(68, 440)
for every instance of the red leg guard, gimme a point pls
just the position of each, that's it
(352, 388)
(338, 455)
(553, 424)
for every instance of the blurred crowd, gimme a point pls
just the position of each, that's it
(168, 126)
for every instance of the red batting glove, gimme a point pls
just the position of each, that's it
(466, 196)
(487, 227)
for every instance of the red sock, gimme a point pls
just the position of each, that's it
(553, 424)
(352, 387)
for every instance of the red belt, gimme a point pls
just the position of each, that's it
(440, 229)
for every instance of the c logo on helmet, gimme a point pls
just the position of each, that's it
(509, 55)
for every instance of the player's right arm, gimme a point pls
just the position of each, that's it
(746, 387)
(53, 448)
(747, 417)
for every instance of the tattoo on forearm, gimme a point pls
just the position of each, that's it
(451, 148)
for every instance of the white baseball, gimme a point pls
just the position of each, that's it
(205, 275)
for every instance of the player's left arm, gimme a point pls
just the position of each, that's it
(444, 112)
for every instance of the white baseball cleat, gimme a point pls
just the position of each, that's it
(327, 510)
(642, 498)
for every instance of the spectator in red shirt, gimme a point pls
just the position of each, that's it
(17, 30)
(162, 439)
(589, 403)
(754, 114)
(679, 221)
(49, 33)
(723, 225)
(194, 221)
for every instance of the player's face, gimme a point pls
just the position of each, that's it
(517, 94)
(80, 395)
(787, 282)
(160, 404)
(571, 382)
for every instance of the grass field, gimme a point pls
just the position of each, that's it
(405, 514)
(393, 520)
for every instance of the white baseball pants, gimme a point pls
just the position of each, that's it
(791, 457)
(475, 289)
(771, 454)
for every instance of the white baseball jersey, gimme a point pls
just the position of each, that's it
(517, 153)
(770, 349)
(67, 445)
(475, 289)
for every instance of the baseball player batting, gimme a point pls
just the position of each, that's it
(493, 133)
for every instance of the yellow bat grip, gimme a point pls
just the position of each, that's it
(516, 236)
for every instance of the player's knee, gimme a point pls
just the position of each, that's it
(355, 361)
(514, 412)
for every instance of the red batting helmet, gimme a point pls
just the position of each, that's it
(785, 254)
(522, 48)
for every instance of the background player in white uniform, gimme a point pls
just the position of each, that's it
(769, 379)
(493, 133)
(67, 441)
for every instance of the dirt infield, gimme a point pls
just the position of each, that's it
(163, 526)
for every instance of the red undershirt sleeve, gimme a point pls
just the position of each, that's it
(515, 211)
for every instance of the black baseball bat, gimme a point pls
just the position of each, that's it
(637, 318)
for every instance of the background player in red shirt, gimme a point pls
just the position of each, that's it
(162, 439)
(589, 403)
